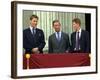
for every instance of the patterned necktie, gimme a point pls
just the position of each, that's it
(33, 31)
(77, 41)
(58, 36)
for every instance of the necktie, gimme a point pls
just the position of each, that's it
(77, 41)
(33, 31)
(58, 36)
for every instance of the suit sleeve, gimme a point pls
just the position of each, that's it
(87, 42)
(68, 44)
(50, 46)
(26, 46)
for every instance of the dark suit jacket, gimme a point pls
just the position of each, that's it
(84, 41)
(30, 42)
(55, 46)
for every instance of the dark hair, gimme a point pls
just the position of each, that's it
(55, 21)
(33, 16)
(77, 20)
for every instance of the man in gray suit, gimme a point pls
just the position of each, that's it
(58, 41)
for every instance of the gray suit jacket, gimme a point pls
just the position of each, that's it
(59, 47)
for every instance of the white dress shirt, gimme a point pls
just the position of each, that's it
(31, 28)
(79, 33)
(79, 36)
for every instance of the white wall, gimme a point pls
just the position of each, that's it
(5, 40)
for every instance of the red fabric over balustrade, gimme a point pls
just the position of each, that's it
(56, 60)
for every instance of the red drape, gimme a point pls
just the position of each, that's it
(56, 60)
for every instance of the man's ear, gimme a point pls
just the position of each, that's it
(52, 26)
(78, 24)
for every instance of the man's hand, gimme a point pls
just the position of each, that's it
(35, 50)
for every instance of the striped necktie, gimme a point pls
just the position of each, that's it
(33, 31)
(58, 36)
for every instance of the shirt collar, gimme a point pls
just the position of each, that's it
(79, 30)
(31, 27)
(59, 32)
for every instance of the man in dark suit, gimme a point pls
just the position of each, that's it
(33, 38)
(58, 41)
(80, 41)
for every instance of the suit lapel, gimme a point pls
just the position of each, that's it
(62, 38)
(55, 38)
(57, 42)
(81, 35)
(30, 36)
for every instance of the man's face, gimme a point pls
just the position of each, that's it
(76, 26)
(56, 26)
(34, 22)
